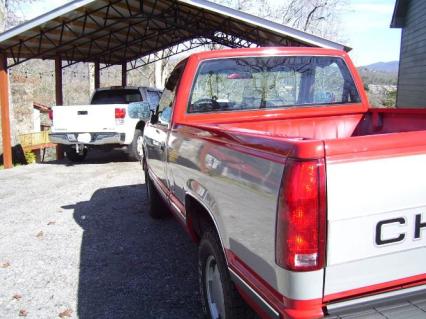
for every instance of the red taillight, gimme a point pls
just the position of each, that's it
(301, 217)
(120, 113)
(51, 114)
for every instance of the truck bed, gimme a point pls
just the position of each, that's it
(374, 122)
(376, 132)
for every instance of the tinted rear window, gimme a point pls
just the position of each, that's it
(271, 82)
(116, 97)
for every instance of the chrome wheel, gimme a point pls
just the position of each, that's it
(214, 289)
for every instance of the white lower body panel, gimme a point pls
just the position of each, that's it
(376, 222)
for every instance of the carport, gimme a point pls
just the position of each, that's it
(132, 33)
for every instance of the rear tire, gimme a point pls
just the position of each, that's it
(75, 157)
(220, 299)
(135, 149)
(157, 207)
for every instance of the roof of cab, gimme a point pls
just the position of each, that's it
(267, 51)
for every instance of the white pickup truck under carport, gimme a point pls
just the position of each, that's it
(115, 117)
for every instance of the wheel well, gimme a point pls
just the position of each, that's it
(198, 218)
(140, 125)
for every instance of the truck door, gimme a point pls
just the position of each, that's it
(156, 135)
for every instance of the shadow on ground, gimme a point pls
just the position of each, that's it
(132, 266)
(97, 157)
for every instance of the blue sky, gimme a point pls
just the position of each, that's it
(365, 28)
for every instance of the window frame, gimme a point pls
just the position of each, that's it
(179, 69)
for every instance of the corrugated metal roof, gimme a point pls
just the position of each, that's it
(119, 31)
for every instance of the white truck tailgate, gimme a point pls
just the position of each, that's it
(85, 118)
(376, 232)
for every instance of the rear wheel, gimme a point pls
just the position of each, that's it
(74, 156)
(220, 299)
(157, 207)
(135, 149)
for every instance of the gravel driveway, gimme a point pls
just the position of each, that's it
(76, 242)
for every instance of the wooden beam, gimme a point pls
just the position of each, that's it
(59, 97)
(124, 74)
(5, 120)
(97, 76)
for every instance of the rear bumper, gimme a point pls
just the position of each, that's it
(409, 302)
(96, 138)
(403, 303)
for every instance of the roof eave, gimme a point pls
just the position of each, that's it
(399, 13)
(43, 19)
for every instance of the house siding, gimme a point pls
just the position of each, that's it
(412, 67)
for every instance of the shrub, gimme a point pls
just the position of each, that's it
(30, 157)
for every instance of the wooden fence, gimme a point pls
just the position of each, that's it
(33, 141)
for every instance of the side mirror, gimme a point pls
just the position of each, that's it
(154, 117)
(139, 110)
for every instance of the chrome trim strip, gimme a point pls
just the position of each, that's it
(376, 300)
(166, 197)
(272, 313)
(176, 208)
(157, 182)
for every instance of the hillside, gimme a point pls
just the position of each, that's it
(380, 81)
(391, 67)
(380, 73)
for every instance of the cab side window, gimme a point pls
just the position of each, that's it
(153, 99)
(165, 106)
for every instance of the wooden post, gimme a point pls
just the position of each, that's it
(58, 81)
(124, 74)
(59, 97)
(97, 76)
(5, 120)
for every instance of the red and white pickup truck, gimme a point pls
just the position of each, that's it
(304, 201)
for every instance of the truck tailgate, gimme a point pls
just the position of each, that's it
(85, 118)
(376, 236)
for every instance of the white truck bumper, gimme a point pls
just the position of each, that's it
(100, 138)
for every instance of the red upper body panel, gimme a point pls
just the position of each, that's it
(300, 131)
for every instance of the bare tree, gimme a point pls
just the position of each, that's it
(319, 17)
(2, 16)
(11, 12)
